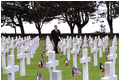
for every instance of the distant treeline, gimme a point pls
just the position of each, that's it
(43, 36)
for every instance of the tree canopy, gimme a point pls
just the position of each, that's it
(78, 13)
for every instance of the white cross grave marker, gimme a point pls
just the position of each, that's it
(85, 42)
(68, 50)
(95, 49)
(28, 50)
(12, 46)
(103, 44)
(22, 57)
(63, 44)
(85, 59)
(91, 45)
(74, 52)
(100, 47)
(31, 46)
(112, 57)
(3, 51)
(108, 72)
(18, 45)
(11, 68)
(52, 63)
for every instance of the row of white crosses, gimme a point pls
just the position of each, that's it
(11, 68)
(52, 63)
(110, 66)
(85, 59)
(25, 52)
(94, 50)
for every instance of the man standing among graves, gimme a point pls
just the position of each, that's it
(55, 36)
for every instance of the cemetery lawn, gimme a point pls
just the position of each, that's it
(31, 70)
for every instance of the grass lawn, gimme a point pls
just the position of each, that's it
(31, 70)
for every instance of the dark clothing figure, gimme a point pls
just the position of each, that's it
(55, 36)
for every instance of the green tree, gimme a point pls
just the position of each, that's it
(15, 13)
(83, 10)
(76, 13)
(41, 12)
(112, 13)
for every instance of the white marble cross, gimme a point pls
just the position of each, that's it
(85, 59)
(3, 52)
(67, 38)
(112, 57)
(85, 42)
(52, 63)
(34, 46)
(100, 47)
(28, 50)
(63, 44)
(74, 51)
(89, 38)
(64, 49)
(11, 68)
(91, 45)
(68, 50)
(108, 72)
(31, 46)
(73, 41)
(18, 45)
(94, 50)
(12, 46)
(22, 57)
(103, 44)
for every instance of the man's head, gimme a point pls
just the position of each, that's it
(55, 26)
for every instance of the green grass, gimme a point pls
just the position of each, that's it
(31, 70)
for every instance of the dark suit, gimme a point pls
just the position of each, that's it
(55, 37)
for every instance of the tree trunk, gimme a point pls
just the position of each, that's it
(111, 32)
(15, 31)
(22, 30)
(109, 17)
(79, 30)
(72, 34)
(39, 31)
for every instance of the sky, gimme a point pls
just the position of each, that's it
(63, 27)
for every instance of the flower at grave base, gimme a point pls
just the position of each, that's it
(61, 55)
(88, 62)
(102, 67)
(40, 65)
(81, 46)
(106, 56)
(66, 62)
(6, 55)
